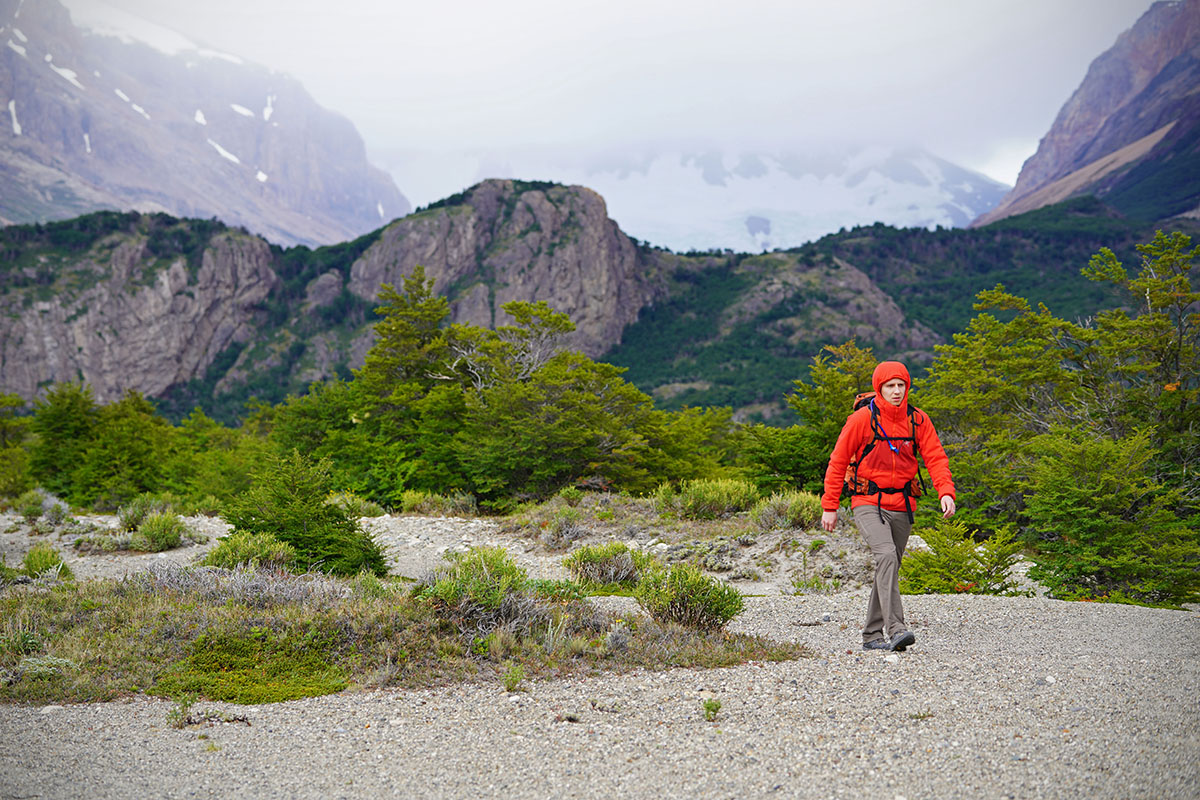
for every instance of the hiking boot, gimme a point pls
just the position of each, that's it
(902, 640)
(877, 644)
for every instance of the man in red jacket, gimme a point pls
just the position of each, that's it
(880, 439)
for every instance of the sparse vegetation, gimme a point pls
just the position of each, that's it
(685, 595)
(255, 636)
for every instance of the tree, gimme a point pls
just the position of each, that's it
(125, 455)
(64, 422)
(287, 501)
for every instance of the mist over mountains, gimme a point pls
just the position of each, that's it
(747, 201)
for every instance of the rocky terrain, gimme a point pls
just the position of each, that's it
(999, 698)
(99, 122)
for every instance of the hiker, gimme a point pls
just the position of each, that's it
(875, 462)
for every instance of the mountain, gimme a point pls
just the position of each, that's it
(110, 122)
(194, 312)
(1130, 134)
(746, 201)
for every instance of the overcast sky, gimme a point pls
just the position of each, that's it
(975, 82)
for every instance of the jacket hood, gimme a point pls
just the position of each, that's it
(886, 371)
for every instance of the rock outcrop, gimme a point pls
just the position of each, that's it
(95, 122)
(504, 240)
(141, 324)
(1129, 128)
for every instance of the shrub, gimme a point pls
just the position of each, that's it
(354, 505)
(29, 506)
(685, 595)
(459, 504)
(255, 550)
(480, 579)
(160, 531)
(14, 471)
(287, 501)
(1105, 527)
(709, 498)
(607, 564)
(787, 509)
(571, 494)
(42, 558)
(131, 515)
(955, 563)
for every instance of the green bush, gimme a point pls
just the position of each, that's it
(159, 531)
(29, 506)
(608, 564)
(354, 505)
(131, 515)
(287, 501)
(257, 550)
(15, 477)
(787, 509)
(43, 558)
(685, 595)
(571, 494)
(459, 504)
(481, 578)
(708, 498)
(1104, 527)
(954, 563)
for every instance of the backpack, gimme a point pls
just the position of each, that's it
(853, 485)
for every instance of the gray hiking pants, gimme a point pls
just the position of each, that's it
(887, 539)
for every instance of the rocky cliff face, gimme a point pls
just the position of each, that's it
(1136, 110)
(504, 240)
(121, 317)
(97, 122)
(194, 313)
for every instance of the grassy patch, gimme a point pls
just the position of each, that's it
(259, 636)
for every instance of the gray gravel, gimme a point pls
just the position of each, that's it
(1001, 697)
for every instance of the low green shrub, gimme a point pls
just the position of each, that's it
(481, 579)
(607, 564)
(571, 494)
(708, 498)
(354, 505)
(258, 667)
(787, 509)
(459, 504)
(131, 515)
(954, 563)
(160, 530)
(42, 558)
(685, 595)
(29, 505)
(256, 550)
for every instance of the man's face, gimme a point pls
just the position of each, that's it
(893, 391)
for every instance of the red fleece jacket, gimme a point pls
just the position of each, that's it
(885, 466)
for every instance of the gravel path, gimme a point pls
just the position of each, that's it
(1001, 697)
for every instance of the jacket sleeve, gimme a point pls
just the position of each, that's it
(934, 456)
(849, 442)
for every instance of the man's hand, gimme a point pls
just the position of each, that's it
(948, 508)
(829, 520)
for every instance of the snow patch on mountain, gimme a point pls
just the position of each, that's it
(12, 112)
(245, 112)
(224, 153)
(14, 46)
